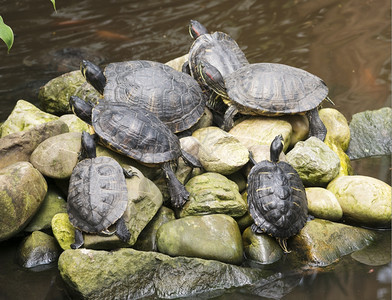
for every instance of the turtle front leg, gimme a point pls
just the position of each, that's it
(190, 160)
(122, 231)
(316, 126)
(79, 241)
(178, 194)
(228, 121)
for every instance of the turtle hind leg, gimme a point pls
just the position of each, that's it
(79, 241)
(178, 194)
(190, 160)
(283, 244)
(122, 231)
(316, 126)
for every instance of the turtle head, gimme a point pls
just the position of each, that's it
(196, 29)
(82, 109)
(276, 148)
(93, 75)
(89, 149)
(213, 78)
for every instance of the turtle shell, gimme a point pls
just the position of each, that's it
(276, 198)
(218, 49)
(274, 89)
(173, 96)
(97, 194)
(135, 132)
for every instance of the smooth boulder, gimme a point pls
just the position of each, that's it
(214, 237)
(323, 204)
(364, 200)
(23, 190)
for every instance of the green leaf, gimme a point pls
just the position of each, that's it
(6, 34)
(54, 4)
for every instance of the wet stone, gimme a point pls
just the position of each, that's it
(323, 204)
(38, 249)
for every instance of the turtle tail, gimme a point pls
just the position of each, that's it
(283, 244)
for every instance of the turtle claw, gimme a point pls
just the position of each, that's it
(130, 173)
(178, 194)
(122, 231)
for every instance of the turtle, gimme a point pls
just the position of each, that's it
(276, 197)
(173, 96)
(137, 133)
(218, 49)
(97, 194)
(269, 89)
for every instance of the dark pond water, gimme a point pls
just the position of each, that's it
(346, 43)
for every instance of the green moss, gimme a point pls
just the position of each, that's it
(63, 230)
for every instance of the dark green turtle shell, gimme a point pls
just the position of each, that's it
(218, 49)
(135, 132)
(97, 194)
(276, 199)
(274, 89)
(174, 97)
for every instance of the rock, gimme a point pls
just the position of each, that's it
(337, 127)
(376, 254)
(63, 230)
(213, 193)
(220, 151)
(74, 123)
(184, 172)
(314, 161)
(246, 220)
(322, 242)
(364, 200)
(38, 249)
(24, 116)
(132, 274)
(214, 237)
(262, 152)
(239, 179)
(18, 146)
(323, 204)
(300, 126)
(53, 204)
(261, 247)
(338, 137)
(371, 133)
(144, 200)
(147, 238)
(206, 120)
(54, 95)
(57, 156)
(22, 191)
(261, 131)
(177, 63)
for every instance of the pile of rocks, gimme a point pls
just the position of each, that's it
(202, 245)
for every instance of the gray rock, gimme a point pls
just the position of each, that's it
(38, 249)
(57, 156)
(314, 161)
(323, 204)
(18, 146)
(147, 238)
(212, 193)
(371, 133)
(364, 200)
(220, 151)
(261, 247)
(54, 95)
(53, 204)
(322, 242)
(214, 237)
(132, 274)
(23, 190)
(300, 126)
(24, 116)
(261, 131)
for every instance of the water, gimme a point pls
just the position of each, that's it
(346, 43)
